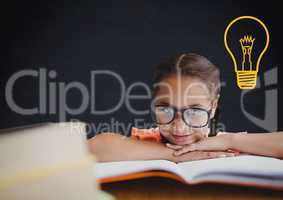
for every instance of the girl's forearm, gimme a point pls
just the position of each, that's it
(114, 147)
(269, 144)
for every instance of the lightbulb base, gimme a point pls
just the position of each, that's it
(246, 79)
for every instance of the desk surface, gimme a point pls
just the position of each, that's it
(160, 188)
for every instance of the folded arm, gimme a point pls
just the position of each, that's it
(115, 147)
(269, 144)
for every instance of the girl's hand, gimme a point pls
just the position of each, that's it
(221, 142)
(202, 155)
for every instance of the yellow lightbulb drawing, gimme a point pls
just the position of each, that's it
(246, 72)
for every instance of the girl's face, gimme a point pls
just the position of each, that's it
(191, 103)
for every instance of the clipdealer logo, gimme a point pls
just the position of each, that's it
(56, 94)
(270, 119)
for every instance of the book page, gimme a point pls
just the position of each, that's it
(244, 165)
(117, 168)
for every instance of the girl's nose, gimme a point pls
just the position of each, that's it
(178, 118)
(179, 126)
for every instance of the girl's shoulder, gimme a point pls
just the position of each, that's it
(151, 134)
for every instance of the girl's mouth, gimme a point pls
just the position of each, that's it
(180, 138)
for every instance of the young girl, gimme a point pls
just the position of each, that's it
(186, 93)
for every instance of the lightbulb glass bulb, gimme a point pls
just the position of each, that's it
(246, 39)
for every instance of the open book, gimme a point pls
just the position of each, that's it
(242, 170)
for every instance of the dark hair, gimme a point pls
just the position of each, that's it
(194, 65)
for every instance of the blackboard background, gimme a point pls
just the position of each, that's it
(128, 37)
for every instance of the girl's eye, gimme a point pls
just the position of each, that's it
(194, 112)
(166, 109)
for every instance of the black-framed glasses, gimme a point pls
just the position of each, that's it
(193, 117)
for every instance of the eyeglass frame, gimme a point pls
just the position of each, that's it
(182, 110)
